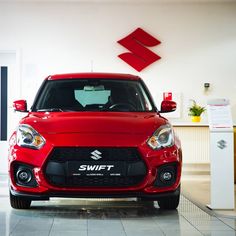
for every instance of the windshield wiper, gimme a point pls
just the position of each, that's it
(51, 109)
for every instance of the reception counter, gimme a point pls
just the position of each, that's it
(195, 141)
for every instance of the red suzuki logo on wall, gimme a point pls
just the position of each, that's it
(139, 56)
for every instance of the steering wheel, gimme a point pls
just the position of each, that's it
(122, 106)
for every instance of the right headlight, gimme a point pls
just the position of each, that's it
(162, 137)
(29, 137)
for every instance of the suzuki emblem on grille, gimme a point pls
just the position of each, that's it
(96, 155)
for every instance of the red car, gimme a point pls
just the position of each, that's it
(94, 135)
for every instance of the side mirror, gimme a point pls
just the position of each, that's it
(167, 106)
(20, 105)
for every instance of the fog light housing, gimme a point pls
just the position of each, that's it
(166, 175)
(24, 175)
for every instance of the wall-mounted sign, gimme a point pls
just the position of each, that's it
(167, 96)
(139, 56)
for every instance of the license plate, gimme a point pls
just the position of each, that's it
(96, 169)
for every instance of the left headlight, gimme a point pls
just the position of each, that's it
(162, 137)
(29, 137)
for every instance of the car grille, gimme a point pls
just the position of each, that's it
(63, 163)
(104, 181)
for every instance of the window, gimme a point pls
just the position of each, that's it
(92, 95)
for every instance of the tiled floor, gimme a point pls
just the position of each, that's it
(108, 218)
(197, 188)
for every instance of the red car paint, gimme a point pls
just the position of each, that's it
(93, 129)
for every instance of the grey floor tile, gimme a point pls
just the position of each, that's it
(192, 232)
(229, 222)
(166, 219)
(26, 233)
(104, 224)
(148, 232)
(70, 220)
(69, 233)
(29, 225)
(69, 225)
(197, 221)
(104, 233)
(161, 217)
(106, 230)
(4, 232)
(218, 233)
(8, 226)
(214, 225)
(175, 225)
(105, 227)
(195, 215)
(141, 227)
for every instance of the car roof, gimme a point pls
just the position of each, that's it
(93, 75)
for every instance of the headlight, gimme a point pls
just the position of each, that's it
(163, 137)
(29, 137)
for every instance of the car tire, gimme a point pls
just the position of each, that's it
(169, 203)
(19, 202)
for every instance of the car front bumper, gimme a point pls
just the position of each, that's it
(48, 195)
(148, 187)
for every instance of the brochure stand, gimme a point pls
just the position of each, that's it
(221, 154)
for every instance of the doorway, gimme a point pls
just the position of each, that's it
(3, 103)
(10, 90)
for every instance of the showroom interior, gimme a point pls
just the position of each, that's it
(193, 50)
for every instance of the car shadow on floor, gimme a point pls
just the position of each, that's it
(95, 209)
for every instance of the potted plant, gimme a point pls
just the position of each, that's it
(195, 111)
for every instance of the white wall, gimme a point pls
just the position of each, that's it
(198, 43)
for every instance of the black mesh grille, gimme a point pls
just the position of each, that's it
(84, 153)
(57, 173)
(104, 181)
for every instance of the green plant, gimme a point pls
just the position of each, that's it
(195, 109)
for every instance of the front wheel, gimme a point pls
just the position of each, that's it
(19, 202)
(169, 203)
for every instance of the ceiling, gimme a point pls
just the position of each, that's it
(126, 1)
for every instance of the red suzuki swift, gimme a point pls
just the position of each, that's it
(94, 135)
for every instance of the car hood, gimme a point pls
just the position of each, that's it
(94, 122)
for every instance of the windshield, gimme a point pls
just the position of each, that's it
(92, 95)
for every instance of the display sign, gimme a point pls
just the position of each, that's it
(219, 114)
(221, 154)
